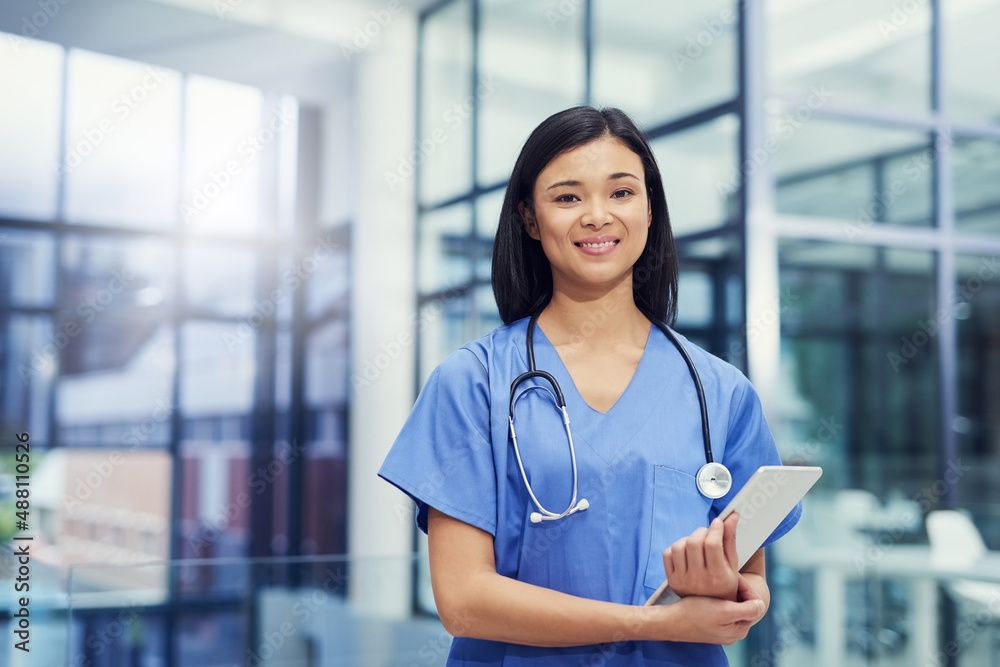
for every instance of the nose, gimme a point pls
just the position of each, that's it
(596, 214)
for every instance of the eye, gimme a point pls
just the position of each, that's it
(567, 199)
(621, 194)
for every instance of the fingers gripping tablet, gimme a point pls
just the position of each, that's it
(765, 500)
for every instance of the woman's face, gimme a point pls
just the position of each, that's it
(591, 215)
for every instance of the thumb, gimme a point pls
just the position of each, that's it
(747, 610)
(744, 591)
(729, 539)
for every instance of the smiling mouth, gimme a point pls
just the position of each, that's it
(605, 244)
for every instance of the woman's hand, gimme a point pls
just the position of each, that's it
(704, 562)
(712, 621)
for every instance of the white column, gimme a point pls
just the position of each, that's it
(763, 353)
(382, 318)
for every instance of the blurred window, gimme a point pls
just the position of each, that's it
(865, 174)
(123, 147)
(859, 365)
(445, 141)
(164, 328)
(976, 309)
(977, 173)
(661, 60)
(873, 54)
(531, 65)
(31, 74)
(700, 176)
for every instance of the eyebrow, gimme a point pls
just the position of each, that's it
(612, 177)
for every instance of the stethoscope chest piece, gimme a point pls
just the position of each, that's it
(714, 480)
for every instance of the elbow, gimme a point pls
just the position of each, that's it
(455, 617)
(456, 613)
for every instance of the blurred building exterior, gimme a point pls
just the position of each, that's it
(236, 238)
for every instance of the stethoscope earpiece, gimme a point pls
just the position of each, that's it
(713, 480)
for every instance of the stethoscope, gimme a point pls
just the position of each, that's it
(713, 479)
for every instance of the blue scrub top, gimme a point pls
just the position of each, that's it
(636, 463)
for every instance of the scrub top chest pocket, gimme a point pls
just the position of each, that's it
(678, 510)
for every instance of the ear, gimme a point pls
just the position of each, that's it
(649, 213)
(530, 223)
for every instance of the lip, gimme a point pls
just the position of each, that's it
(612, 242)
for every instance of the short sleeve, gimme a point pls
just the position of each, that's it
(749, 445)
(443, 456)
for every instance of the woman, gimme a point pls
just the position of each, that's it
(584, 245)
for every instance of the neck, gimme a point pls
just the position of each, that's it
(594, 319)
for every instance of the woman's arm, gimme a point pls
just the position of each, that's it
(754, 573)
(474, 601)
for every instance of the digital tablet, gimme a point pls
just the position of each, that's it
(764, 501)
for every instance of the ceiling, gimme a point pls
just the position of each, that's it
(288, 46)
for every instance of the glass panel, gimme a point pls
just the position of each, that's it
(443, 244)
(274, 612)
(29, 359)
(215, 494)
(977, 314)
(971, 71)
(216, 398)
(327, 349)
(859, 365)
(694, 305)
(532, 65)
(31, 78)
(443, 328)
(710, 309)
(327, 267)
(445, 143)
(104, 275)
(216, 380)
(288, 283)
(864, 53)
(324, 496)
(487, 222)
(116, 384)
(26, 261)
(112, 506)
(122, 142)
(977, 198)
(696, 166)
(286, 119)
(223, 145)
(861, 173)
(487, 315)
(220, 279)
(660, 60)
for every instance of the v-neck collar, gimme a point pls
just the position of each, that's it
(568, 377)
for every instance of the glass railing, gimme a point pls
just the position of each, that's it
(877, 595)
(275, 612)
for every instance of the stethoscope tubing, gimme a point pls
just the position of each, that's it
(713, 479)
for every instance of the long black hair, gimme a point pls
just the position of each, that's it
(522, 276)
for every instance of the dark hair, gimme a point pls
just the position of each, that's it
(522, 276)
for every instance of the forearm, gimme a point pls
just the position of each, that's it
(474, 600)
(490, 606)
(754, 572)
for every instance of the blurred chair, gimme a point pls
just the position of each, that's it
(956, 544)
(855, 510)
